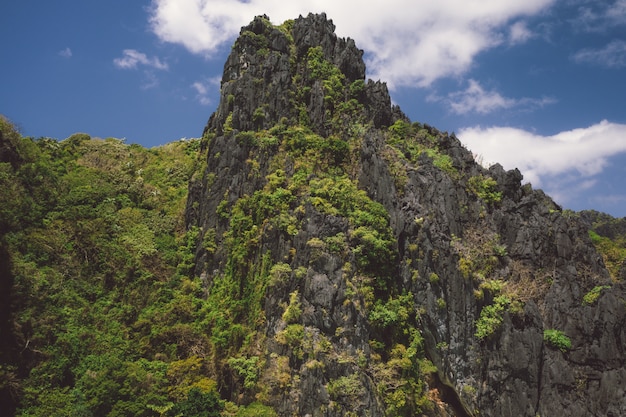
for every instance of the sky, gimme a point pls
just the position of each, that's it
(538, 85)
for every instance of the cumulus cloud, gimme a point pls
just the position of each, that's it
(408, 42)
(131, 59)
(476, 99)
(612, 55)
(572, 156)
(65, 53)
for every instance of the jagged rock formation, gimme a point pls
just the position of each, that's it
(352, 250)
(265, 72)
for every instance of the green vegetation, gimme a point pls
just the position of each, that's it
(613, 251)
(256, 410)
(348, 388)
(557, 339)
(247, 369)
(491, 317)
(106, 309)
(293, 310)
(592, 296)
(401, 377)
(107, 316)
(399, 365)
(104, 265)
(484, 188)
(371, 237)
(392, 314)
(479, 253)
(343, 112)
(199, 404)
(410, 141)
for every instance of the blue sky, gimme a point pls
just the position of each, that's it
(534, 84)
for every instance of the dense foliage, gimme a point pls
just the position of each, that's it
(103, 316)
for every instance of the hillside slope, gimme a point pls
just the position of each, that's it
(97, 310)
(361, 264)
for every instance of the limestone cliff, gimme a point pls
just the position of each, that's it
(369, 266)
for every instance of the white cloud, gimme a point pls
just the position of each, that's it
(475, 99)
(519, 33)
(581, 153)
(65, 53)
(205, 89)
(131, 58)
(200, 88)
(408, 42)
(612, 55)
(617, 12)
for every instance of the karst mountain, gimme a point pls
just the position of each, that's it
(315, 253)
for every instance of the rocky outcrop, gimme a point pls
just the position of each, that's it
(267, 69)
(384, 247)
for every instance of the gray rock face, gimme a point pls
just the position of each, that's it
(262, 75)
(466, 241)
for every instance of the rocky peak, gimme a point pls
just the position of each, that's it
(317, 30)
(367, 265)
(298, 70)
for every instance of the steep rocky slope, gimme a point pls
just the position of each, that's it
(609, 236)
(366, 265)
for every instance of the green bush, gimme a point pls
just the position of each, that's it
(345, 386)
(246, 368)
(485, 188)
(592, 296)
(294, 309)
(394, 312)
(442, 161)
(613, 252)
(491, 317)
(279, 273)
(557, 339)
(256, 410)
(400, 129)
(199, 404)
